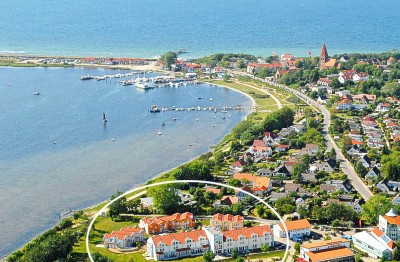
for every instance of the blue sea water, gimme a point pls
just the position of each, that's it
(149, 28)
(56, 154)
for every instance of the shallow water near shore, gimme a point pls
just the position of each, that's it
(56, 154)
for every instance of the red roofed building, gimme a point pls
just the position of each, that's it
(344, 104)
(195, 243)
(177, 245)
(226, 222)
(334, 250)
(160, 224)
(123, 238)
(295, 228)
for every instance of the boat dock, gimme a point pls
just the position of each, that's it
(225, 109)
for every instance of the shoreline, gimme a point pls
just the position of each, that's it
(97, 206)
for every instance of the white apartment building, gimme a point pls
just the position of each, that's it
(195, 243)
(296, 228)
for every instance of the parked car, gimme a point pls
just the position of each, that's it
(347, 237)
(296, 239)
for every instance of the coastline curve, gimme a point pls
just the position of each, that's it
(185, 181)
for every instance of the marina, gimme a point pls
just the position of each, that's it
(225, 109)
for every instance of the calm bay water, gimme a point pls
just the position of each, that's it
(40, 178)
(151, 27)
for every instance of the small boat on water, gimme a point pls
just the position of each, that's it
(162, 124)
(210, 99)
(159, 133)
(36, 93)
(154, 109)
(199, 98)
(86, 77)
(174, 119)
(104, 118)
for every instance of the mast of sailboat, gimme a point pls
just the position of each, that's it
(104, 118)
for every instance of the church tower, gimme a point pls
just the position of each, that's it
(323, 57)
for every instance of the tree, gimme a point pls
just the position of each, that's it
(197, 169)
(101, 258)
(240, 259)
(297, 247)
(226, 77)
(375, 206)
(264, 248)
(396, 255)
(169, 58)
(118, 207)
(235, 253)
(208, 256)
(361, 170)
(165, 198)
(234, 182)
(357, 258)
(335, 83)
(335, 224)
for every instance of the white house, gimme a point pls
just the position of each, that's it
(123, 238)
(390, 224)
(296, 228)
(383, 107)
(195, 243)
(373, 173)
(361, 76)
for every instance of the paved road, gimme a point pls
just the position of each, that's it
(344, 163)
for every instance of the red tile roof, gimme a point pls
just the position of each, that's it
(180, 237)
(227, 217)
(296, 224)
(247, 232)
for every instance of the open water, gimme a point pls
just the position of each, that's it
(152, 27)
(56, 154)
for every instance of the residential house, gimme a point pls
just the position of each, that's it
(309, 178)
(383, 107)
(330, 250)
(346, 75)
(360, 76)
(327, 166)
(388, 186)
(359, 97)
(396, 199)
(344, 104)
(376, 243)
(241, 195)
(226, 222)
(236, 167)
(343, 93)
(324, 81)
(255, 181)
(123, 238)
(269, 138)
(281, 148)
(259, 153)
(336, 185)
(373, 173)
(226, 201)
(365, 161)
(275, 196)
(295, 228)
(356, 150)
(161, 224)
(293, 187)
(279, 73)
(282, 171)
(264, 172)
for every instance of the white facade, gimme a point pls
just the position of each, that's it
(296, 228)
(195, 243)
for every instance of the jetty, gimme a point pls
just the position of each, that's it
(224, 109)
